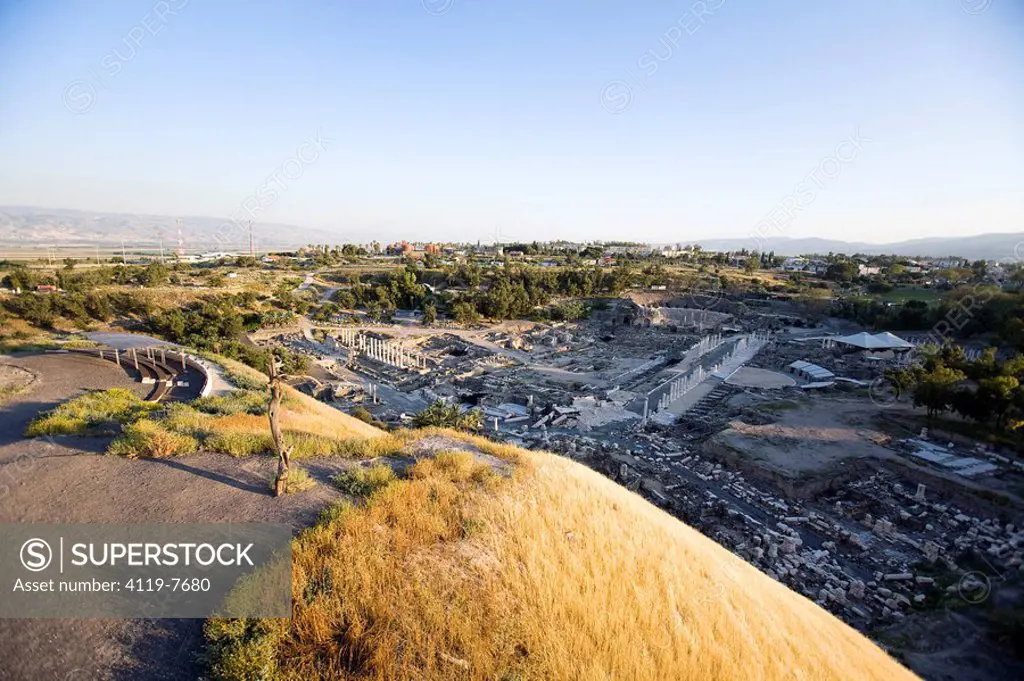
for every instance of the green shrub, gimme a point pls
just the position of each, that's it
(234, 402)
(333, 513)
(238, 443)
(298, 480)
(242, 649)
(363, 414)
(362, 482)
(242, 379)
(305, 445)
(182, 418)
(441, 415)
(84, 414)
(148, 438)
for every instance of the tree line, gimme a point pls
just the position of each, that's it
(968, 310)
(987, 390)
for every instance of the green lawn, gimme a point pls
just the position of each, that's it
(902, 295)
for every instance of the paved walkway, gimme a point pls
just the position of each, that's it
(127, 341)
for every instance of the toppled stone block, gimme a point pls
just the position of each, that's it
(898, 576)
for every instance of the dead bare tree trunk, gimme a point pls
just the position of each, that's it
(274, 414)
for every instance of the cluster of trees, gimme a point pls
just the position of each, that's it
(200, 323)
(511, 292)
(986, 390)
(399, 290)
(381, 295)
(541, 283)
(81, 309)
(216, 323)
(326, 255)
(564, 249)
(568, 311)
(516, 292)
(441, 415)
(967, 310)
(73, 280)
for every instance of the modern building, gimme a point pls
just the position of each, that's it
(868, 344)
(810, 372)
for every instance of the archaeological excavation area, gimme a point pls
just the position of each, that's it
(769, 438)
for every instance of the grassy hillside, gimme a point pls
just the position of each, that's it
(234, 423)
(302, 413)
(502, 564)
(476, 560)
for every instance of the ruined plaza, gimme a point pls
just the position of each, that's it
(773, 440)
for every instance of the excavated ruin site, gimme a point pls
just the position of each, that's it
(773, 439)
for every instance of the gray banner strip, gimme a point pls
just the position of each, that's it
(145, 571)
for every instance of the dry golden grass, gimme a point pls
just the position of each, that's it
(553, 572)
(307, 429)
(150, 439)
(222, 424)
(299, 480)
(302, 413)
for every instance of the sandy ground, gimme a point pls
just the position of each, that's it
(14, 378)
(813, 436)
(68, 480)
(752, 377)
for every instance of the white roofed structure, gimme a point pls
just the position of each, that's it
(862, 340)
(879, 341)
(810, 372)
(894, 341)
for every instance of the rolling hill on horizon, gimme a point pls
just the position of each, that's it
(994, 246)
(31, 227)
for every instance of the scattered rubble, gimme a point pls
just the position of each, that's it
(643, 394)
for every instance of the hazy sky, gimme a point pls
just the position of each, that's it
(577, 119)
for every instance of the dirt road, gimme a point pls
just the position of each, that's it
(69, 480)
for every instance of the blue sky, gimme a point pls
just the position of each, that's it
(551, 119)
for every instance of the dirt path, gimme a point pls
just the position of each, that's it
(68, 480)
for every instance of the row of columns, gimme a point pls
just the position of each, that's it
(387, 352)
(684, 384)
(708, 343)
(681, 386)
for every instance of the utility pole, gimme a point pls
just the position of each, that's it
(124, 258)
(252, 249)
(181, 241)
(161, 246)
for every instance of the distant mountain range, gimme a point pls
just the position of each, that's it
(29, 227)
(1000, 247)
